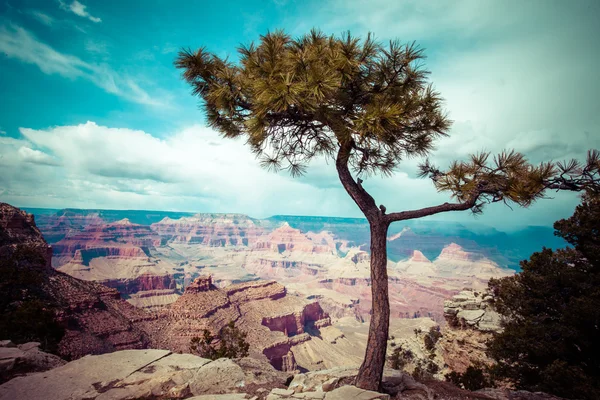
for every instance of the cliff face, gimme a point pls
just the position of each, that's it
(115, 237)
(287, 239)
(472, 321)
(95, 318)
(214, 230)
(117, 254)
(18, 228)
(142, 283)
(272, 319)
(56, 226)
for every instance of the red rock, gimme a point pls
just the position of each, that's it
(97, 320)
(286, 238)
(454, 252)
(117, 239)
(418, 257)
(215, 230)
(200, 284)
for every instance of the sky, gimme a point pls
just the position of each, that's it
(94, 115)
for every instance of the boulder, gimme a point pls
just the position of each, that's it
(394, 381)
(220, 376)
(25, 358)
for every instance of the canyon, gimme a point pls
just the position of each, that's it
(314, 257)
(166, 291)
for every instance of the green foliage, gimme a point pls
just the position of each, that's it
(510, 178)
(431, 338)
(424, 370)
(294, 99)
(26, 312)
(550, 338)
(474, 378)
(399, 358)
(231, 343)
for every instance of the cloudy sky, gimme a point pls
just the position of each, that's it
(94, 115)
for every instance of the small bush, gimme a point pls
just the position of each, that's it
(230, 343)
(431, 338)
(399, 358)
(474, 378)
(425, 370)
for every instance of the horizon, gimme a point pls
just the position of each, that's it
(396, 226)
(115, 127)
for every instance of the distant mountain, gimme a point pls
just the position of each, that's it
(506, 249)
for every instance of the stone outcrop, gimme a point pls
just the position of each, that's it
(472, 321)
(95, 317)
(157, 374)
(17, 228)
(162, 375)
(287, 239)
(24, 358)
(472, 309)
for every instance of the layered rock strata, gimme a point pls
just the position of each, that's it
(95, 317)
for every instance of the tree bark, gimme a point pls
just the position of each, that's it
(371, 370)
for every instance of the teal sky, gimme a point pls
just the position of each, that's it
(94, 115)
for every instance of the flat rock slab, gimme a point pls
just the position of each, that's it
(229, 396)
(354, 393)
(220, 376)
(73, 380)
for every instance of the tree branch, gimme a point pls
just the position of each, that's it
(361, 197)
(423, 212)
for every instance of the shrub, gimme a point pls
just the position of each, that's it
(399, 358)
(474, 378)
(431, 338)
(425, 370)
(230, 343)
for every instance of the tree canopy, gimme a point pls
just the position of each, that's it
(370, 105)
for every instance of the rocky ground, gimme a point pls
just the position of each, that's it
(161, 375)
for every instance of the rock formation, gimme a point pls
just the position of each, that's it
(287, 239)
(272, 319)
(161, 375)
(472, 321)
(17, 228)
(95, 317)
(214, 230)
(24, 358)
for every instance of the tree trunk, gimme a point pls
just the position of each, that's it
(371, 370)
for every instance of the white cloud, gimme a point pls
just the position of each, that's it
(37, 157)
(78, 9)
(96, 47)
(102, 167)
(20, 44)
(116, 168)
(42, 17)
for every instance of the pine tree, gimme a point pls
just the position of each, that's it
(367, 107)
(552, 312)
